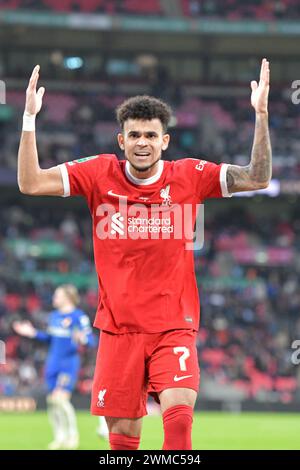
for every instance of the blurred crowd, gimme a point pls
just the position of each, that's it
(265, 10)
(250, 304)
(221, 130)
(230, 9)
(248, 273)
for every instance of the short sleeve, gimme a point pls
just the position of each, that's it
(79, 176)
(209, 179)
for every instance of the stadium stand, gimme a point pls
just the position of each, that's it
(230, 9)
(237, 9)
(88, 6)
(73, 125)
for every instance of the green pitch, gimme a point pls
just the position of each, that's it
(211, 431)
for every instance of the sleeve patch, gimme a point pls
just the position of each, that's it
(85, 159)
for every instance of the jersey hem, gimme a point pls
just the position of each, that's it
(163, 330)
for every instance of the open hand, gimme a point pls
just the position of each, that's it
(34, 98)
(24, 328)
(260, 90)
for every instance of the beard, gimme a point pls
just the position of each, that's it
(144, 168)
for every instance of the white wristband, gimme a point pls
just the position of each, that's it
(28, 122)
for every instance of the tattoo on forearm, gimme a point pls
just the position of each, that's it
(237, 177)
(261, 157)
(230, 178)
(257, 174)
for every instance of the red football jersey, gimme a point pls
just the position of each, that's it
(142, 232)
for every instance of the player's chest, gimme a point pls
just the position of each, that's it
(166, 210)
(166, 194)
(62, 322)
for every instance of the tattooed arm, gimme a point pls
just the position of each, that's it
(258, 173)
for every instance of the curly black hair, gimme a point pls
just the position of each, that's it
(146, 108)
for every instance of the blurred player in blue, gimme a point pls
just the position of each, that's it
(68, 328)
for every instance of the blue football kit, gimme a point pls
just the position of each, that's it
(63, 360)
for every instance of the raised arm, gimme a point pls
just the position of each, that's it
(258, 173)
(32, 179)
(25, 328)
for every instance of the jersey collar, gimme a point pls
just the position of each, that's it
(144, 181)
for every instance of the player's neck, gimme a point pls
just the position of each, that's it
(148, 177)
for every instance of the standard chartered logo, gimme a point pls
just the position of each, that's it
(140, 225)
(157, 221)
(117, 225)
(150, 225)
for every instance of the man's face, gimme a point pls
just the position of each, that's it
(143, 143)
(59, 298)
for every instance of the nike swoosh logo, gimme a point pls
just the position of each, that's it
(111, 193)
(176, 379)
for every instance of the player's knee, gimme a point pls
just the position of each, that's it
(177, 396)
(124, 426)
(50, 400)
(58, 395)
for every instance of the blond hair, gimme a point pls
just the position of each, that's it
(71, 292)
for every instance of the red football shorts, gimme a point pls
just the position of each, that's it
(131, 365)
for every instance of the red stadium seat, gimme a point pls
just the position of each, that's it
(285, 384)
(137, 6)
(260, 381)
(215, 357)
(59, 5)
(12, 302)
